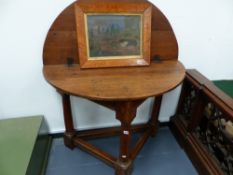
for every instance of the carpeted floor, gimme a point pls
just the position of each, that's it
(161, 155)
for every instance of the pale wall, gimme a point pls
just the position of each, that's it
(204, 31)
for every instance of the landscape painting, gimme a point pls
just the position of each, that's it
(111, 36)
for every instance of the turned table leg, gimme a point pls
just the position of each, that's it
(70, 131)
(155, 114)
(124, 161)
(125, 112)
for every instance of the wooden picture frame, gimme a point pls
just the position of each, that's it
(113, 34)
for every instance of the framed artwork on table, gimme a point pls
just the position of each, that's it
(113, 34)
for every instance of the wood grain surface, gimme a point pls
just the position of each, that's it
(116, 83)
(61, 41)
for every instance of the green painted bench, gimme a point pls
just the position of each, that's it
(225, 85)
(24, 146)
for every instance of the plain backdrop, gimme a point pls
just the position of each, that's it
(204, 31)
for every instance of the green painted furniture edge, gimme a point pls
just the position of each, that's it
(40, 154)
(18, 142)
(225, 85)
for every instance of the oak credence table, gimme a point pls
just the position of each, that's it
(120, 89)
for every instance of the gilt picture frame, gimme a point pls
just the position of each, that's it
(113, 34)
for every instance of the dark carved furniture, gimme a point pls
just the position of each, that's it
(203, 125)
(119, 89)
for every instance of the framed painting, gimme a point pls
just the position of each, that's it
(113, 34)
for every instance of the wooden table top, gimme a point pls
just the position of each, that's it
(108, 84)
